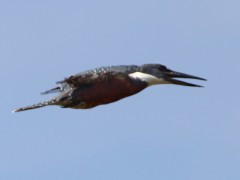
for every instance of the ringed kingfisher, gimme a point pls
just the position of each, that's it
(109, 84)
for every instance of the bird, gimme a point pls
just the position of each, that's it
(109, 84)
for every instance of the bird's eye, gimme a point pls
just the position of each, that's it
(162, 68)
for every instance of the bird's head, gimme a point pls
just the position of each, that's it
(160, 74)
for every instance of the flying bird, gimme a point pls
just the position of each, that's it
(109, 84)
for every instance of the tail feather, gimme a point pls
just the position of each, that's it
(34, 106)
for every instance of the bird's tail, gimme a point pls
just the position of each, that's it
(34, 106)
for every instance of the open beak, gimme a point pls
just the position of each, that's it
(171, 75)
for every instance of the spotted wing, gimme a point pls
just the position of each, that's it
(99, 75)
(93, 76)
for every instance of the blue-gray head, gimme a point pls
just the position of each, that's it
(160, 74)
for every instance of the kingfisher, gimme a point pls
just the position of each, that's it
(105, 85)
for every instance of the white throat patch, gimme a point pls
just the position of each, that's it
(150, 79)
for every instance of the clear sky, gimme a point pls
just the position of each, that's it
(165, 132)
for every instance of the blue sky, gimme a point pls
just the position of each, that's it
(165, 132)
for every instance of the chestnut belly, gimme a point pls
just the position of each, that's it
(106, 92)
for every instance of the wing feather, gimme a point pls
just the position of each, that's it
(99, 75)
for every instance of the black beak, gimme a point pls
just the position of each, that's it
(171, 75)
